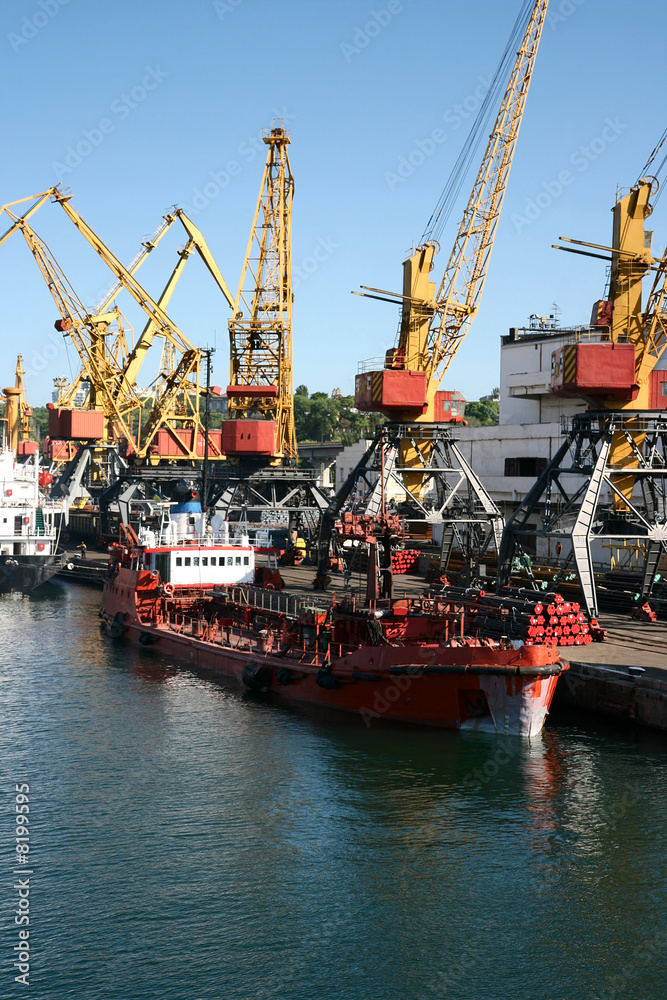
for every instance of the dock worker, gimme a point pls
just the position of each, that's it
(83, 549)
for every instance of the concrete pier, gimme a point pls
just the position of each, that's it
(624, 677)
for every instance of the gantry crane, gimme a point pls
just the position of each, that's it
(110, 370)
(609, 477)
(417, 449)
(259, 395)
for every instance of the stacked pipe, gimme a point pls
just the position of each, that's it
(404, 561)
(544, 619)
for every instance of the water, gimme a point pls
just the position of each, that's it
(191, 842)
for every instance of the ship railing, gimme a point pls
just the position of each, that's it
(272, 600)
(203, 541)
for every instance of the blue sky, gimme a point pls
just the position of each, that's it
(165, 101)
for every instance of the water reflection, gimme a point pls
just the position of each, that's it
(308, 856)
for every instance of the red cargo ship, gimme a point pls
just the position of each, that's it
(405, 660)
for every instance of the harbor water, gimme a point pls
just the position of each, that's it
(189, 841)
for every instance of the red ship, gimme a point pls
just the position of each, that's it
(405, 660)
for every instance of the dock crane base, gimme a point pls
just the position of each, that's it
(451, 493)
(583, 495)
(293, 494)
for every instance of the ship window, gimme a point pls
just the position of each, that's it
(238, 560)
(195, 561)
(204, 561)
(246, 560)
(230, 561)
(187, 560)
(212, 560)
(179, 561)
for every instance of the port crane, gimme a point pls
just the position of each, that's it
(260, 331)
(110, 369)
(608, 480)
(261, 478)
(417, 449)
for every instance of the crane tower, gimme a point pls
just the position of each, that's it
(260, 333)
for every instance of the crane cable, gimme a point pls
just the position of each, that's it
(656, 173)
(479, 129)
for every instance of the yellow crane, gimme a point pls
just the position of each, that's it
(435, 323)
(608, 479)
(417, 449)
(260, 331)
(108, 367)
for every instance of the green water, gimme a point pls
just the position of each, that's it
(191, 842)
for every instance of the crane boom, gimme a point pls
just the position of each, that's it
(434, 324)
(463, 281)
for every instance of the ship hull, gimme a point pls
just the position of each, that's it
(26, 573)
(459, 688)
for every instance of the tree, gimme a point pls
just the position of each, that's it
(39, 424)
(483, 413)
(320, 417)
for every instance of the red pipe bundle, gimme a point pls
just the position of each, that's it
(404, 561)
(536, 619)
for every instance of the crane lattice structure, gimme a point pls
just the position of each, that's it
(108, 367)
(406, 389)
(608, 479)
(260, 332)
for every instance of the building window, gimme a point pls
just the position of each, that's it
(663, 388)
(187, 560)
(530, 468)
(246, 560)
(212, 560)
(204, 561)
(179, 561)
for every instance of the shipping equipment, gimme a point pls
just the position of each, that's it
(261, 478)
(608, 480)
(174, 429)
(418, 450)
(260, 395)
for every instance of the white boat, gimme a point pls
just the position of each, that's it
(29, 527)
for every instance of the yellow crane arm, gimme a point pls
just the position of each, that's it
(202, 248)
(166, 327)
(137, 356)
(148, 245)
(99, 365)
(654, 325)
(461, 287)
(37, 199)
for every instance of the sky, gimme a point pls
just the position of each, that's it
(137, 105)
